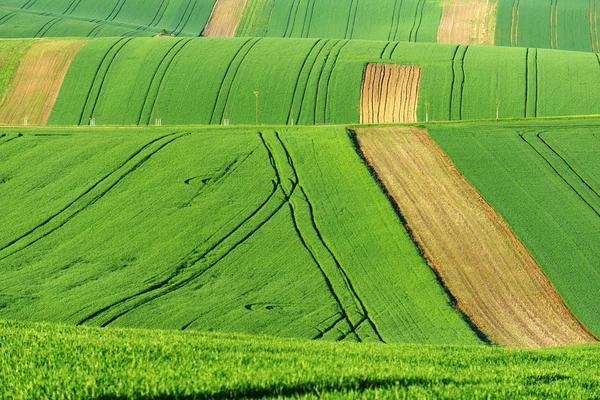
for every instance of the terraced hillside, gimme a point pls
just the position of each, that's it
(543, 179)
(307, 81)
(571, 25)
(267, 232)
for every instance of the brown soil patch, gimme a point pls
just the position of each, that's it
(484, 265)
(34, 89)
(389, 94)
(468, 22)
(224, 18)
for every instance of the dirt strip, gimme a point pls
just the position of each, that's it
(483, 264)
(390, 93)
(468, 22)
(224, 18)
(36, 84)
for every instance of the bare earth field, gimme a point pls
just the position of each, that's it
(389, 94)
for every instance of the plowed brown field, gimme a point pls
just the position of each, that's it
(37, 82)
(389, 94)
(493, 277)
(224, 18)
(468, 22)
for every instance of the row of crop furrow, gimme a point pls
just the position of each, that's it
(338, 280)
(458, 83)
(291, 22)
(156, 82)
(564, 170)
(86, 199)
(185, 18)
(300, 87)
(417, 21)
(307, 113)
(514, 23)
(116, 10)
(98, 81)
(46, 27)
(395, 25)
(74, 4)
(553, 31)
(71, 17)
(324, 83)
(28, 4)
(594, 37)
(310, 10)
(203, 258)
(160, 13)
(531, 83)
(351, 22)
(4, 138)
(219, 111)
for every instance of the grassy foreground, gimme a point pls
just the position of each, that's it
(43, 360)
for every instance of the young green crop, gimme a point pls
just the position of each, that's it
(44, 360)
(11, 52)
(312, 81)
(237, 230)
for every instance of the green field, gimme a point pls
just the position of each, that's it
(237, 230)
(566, 25)
(309, 81)
(42, 360)
(543, 177)
(111, 18)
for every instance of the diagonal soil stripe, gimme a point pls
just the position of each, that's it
(224, 18)
(493, 277)
(37, 82)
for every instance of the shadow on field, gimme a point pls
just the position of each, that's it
(317, 388)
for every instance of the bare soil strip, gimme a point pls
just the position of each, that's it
(224, 18)
(389, 94)
(468, 22)
(37, 82)
(487, 269)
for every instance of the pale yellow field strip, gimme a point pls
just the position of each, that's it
(224, 18)
(468, 22)
(389, 93)
(36, 84)
(484, 265)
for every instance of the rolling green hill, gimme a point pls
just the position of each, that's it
(571, 25)
(272, 232)
(90, 18)
(43, 360)
(309, 81)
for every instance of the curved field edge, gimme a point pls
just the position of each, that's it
(542, 178)
(125, 234)
(39, 360)
(312, 81)
(494, 279)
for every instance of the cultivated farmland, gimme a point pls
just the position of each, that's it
(543, 179)
(125, 233)
(566, 25)
(495, 280)
(35, 86)
(40, 360)
(308, 81)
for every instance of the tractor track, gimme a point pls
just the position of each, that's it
(166, 286)
(322, 241)
(94, 197)
(167, 61)
(561, 175)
